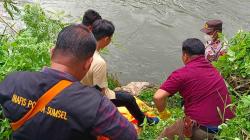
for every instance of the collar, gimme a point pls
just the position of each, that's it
(200, 57)
(59, 74)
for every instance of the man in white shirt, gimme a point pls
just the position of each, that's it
(97, 75)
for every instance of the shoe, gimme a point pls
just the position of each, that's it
(150, 121)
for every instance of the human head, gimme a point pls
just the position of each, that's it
(103, 31)
(89, 17)
(74, 49)
(191, 48)
(211, 29)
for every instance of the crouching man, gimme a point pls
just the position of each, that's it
(52, 104)
(203, 90)
(103, 31)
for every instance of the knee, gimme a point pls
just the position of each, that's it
(128, 98)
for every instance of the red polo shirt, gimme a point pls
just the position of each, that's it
(203, 90)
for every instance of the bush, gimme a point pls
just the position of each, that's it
(235, 65)
(239, 127)
(30, 48)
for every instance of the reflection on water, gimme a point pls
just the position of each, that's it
(151, 31)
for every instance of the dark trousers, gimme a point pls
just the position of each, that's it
(128, 101)
(177, 130)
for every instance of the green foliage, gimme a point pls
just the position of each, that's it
(239, 127)
(235, 65)
(5, 130)
(152, 132)
(30, 48)
(175, 101)
(40, 26)
(237, 59)
(24, 54)
(147, 95)
(113, 81)
(10, 7)
(172, 102)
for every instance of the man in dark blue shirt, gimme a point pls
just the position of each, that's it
(78, 112)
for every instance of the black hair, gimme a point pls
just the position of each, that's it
(76, 41)
(193, 46)
(103, 28)
(89, 17)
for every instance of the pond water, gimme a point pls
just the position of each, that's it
(149, 33)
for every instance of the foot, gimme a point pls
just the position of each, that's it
(150, 121)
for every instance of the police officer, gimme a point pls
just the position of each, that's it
(214, 47)
(53, 105)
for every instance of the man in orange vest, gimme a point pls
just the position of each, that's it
(53, 105)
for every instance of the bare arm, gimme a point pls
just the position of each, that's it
(160, 98)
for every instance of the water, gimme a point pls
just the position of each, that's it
(151, 31)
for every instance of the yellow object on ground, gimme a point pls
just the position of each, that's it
(143, 106)
(164, 115)
(123, 110)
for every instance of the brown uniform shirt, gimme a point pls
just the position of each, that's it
(214, 50)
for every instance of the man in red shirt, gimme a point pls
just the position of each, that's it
(204, 92)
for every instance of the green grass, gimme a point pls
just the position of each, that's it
(113, 81)
(147, 95)
(152, 132)
(5, 130)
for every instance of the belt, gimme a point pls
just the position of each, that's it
(209, 130)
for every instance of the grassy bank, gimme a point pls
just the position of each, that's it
(174, 106)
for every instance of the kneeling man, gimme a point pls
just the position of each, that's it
(204, 92)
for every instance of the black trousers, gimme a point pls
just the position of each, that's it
(128, 101)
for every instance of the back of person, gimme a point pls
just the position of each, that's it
(204, 90)
(69, 113)
(54, 105)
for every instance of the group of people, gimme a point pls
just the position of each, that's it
(71, 99)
